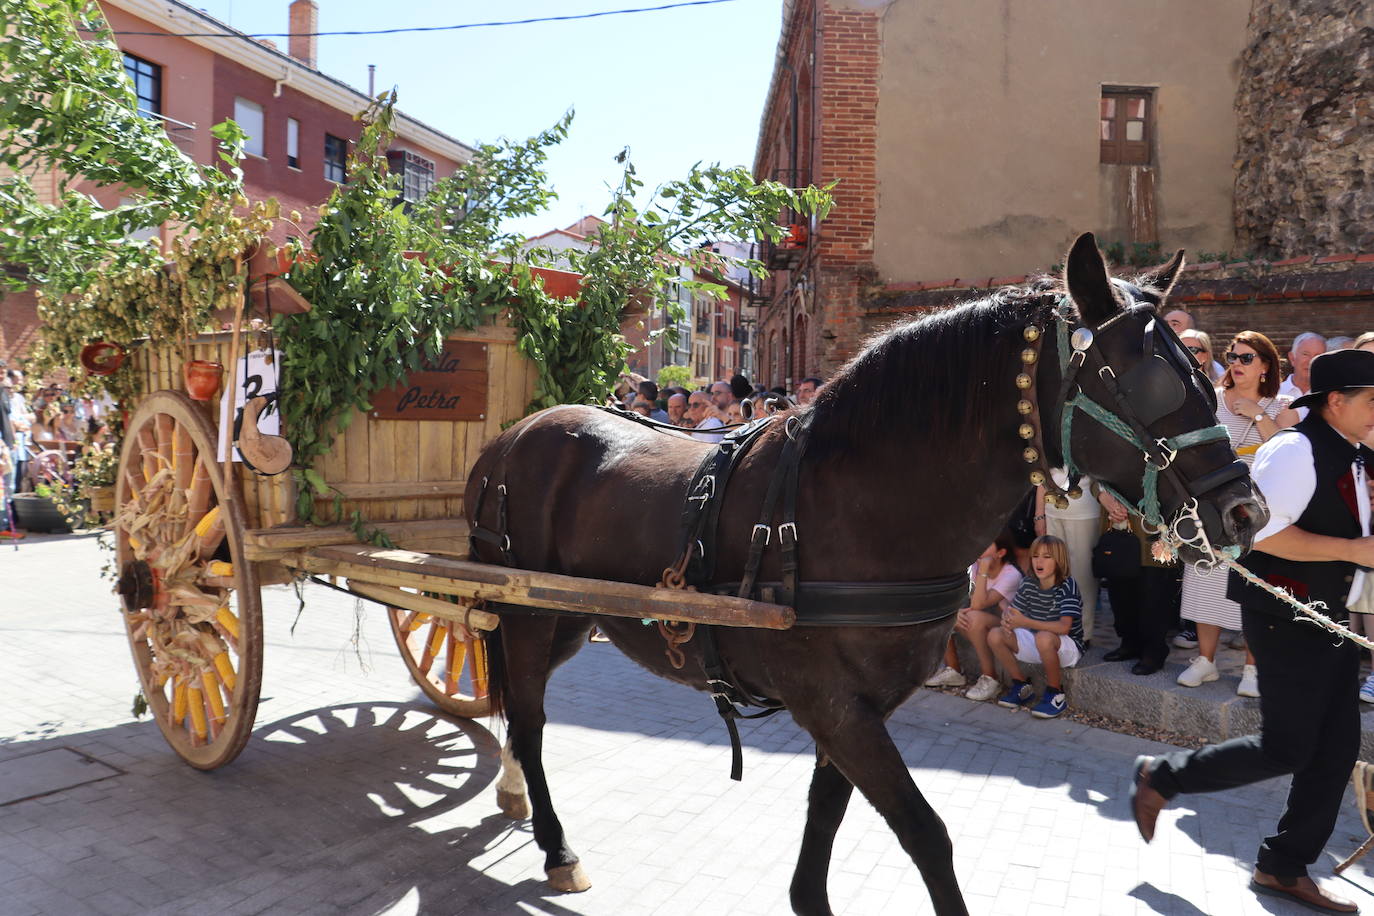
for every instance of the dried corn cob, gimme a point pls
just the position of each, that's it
(228, 620)
(195, 701)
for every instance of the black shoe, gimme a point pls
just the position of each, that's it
(1121, 654)
(1144, 668)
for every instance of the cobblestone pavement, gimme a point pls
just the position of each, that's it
(354, 796)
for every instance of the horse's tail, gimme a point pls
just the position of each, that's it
(496, 673)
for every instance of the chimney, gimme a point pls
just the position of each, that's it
(305, 17)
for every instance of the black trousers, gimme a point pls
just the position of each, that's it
(1143, 607)
(1310, 728)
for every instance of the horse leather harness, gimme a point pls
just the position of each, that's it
(816, 603)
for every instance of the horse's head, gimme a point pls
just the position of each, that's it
(1140, 415)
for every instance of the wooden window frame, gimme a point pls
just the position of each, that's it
(1118, 150)
(335, 166)
(136, 67)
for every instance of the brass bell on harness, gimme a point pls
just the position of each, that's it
(1058, 501)
(1025, 431)
(1031, 456)
(1024, 407)
(1023, 381)
(1037, 478)
(1075, 492)
(1028, 356)
(1031, 333)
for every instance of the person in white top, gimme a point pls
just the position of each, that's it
(995, 580)
(1078, 526)
(1316, 544)
(1252, 411)
(1199, 343)
(1182, 321)
(1306, 347)
(703, 415)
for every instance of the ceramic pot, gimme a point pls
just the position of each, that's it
(202, 378)
(102, 357)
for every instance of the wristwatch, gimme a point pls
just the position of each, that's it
(1261, 416)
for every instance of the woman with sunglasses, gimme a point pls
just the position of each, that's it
(1200, 346)
(1252, 410)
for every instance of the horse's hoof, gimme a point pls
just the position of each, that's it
(570, 879)
(515, 807)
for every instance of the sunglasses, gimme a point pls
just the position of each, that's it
(1244, 359)
(1196, 350)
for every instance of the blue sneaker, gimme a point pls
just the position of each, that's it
(1020, 694)
(1367, 691)
(1051, 705)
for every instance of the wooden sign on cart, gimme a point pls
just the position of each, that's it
(452, 386)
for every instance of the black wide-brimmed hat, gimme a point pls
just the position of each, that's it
(1337, 370)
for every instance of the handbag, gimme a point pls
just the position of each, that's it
(1116, 555)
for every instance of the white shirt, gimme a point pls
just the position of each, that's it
(1084, 507)
(709, 423)
(1294, 392)
(1285, 474)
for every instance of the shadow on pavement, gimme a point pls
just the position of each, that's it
(1164, 902)
(364, 807)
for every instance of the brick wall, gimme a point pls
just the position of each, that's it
(1332, 295)
(843, 89)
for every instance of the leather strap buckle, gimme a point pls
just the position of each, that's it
(767, 534)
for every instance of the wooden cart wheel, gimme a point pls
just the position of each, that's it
(191, 602)
(445, 660)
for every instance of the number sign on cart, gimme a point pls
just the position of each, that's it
(257, 378)
(451, 386)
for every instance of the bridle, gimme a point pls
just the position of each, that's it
(1149, 391)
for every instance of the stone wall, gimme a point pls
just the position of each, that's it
(1305, 151)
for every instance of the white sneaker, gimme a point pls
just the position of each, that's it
(985, 688)
(1199, 671)
(1249, 682)
(946, 677)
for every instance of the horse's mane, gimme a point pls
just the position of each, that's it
(940, 376)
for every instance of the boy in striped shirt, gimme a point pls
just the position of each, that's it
(1043, 624)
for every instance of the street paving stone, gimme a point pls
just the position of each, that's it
(355, 796)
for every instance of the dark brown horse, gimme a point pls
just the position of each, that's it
(915, 461)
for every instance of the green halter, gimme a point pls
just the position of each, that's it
(1157, 458)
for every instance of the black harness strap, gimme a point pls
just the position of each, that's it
(706, 497)
(500, 538)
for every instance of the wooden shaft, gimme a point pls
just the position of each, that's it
(539, 589)
(1354, 856)
(478, 620)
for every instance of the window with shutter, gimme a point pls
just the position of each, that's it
(1126, 126)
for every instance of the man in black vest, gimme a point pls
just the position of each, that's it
(1314, 546)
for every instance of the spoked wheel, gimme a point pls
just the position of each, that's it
(191, 602)
(447, 661)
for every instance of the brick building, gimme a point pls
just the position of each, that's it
(299, 120)
(973, 140)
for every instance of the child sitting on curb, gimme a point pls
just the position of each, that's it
(994, 579)
(1044, 624)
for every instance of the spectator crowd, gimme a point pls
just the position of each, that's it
(43, 430)
(710, 409)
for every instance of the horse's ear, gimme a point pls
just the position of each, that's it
(1085, 274)
(1162, 278)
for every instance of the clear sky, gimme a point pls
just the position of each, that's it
(677, 86)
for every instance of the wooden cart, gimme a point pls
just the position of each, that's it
(196, 543)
